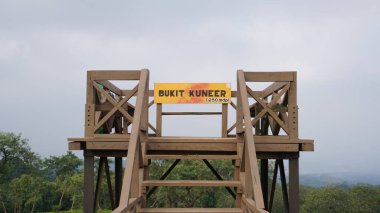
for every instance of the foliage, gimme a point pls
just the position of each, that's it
(29, 183)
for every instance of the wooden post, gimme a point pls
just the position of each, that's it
(118, 178)
(88, 183)
(159, 120)
(293, 185)
(285, 195)
(224, 120)
(99, 180)
(264, 180)
(293, 108)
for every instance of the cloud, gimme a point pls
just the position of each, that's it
(47, 46)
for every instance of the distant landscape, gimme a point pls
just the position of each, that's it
(343, 178)
(30, 183)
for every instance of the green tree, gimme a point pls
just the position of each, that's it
(191, 196)
(16, 158)
(27, 191)
(327, 199)
(60, 169)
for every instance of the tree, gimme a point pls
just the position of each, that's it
(327, 199)
(191, 196)
(16, 158)
(60, 169)
(27, 190)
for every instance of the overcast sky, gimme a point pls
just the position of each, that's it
(47, 46)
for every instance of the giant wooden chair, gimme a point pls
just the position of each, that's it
(266, 127)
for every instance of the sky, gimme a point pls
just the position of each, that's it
(46, 47)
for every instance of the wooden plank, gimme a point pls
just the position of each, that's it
(192, 146)
(191, 139)
(89, 121)
(133, 146)
(268, 76)
(254, 176)
(126, 208)
(118, 178)
(272, 88)
(277, 147)
(260, 147)
(191, 210)
(264, 167)
(293, 108)
(112, 87)
(88, 184)
(75, 146)
(107, 145)
(307, 147)
(99, 179)
(284, 189)
(293, 185)
(159, 120)
(205, 183)
(252, 205)
(191, 113)
(115, 74)
(224, 120)
(197, 157)
(112, 136)
(151, 92)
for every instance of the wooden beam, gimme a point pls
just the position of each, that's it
(191, 113)
(151, 190)
(159, 120)
(249, 144)
(115, 74)
(285, 195)
(132, 147)
(268, 76)
(191, 210)
(99, 179)
(109, 184)
(264, 180)
(88, 206)
(208, 164)
(118, 178)
(205, 183)
(293, 186)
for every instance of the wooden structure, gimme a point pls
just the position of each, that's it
(266, 128)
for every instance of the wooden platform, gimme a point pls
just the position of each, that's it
(265, 128)
(194, 144)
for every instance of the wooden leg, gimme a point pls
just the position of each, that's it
(293, 186)
(109, 184)
(273, 188)
(237, 178)
(88, 183)
(285, 197)
(264, 180)
(118, 178)
(99, 180)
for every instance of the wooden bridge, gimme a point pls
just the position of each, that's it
(266, 127)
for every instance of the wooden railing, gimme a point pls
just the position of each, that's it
(131, 193)
(252, 185)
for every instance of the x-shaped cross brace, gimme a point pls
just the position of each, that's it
(267, 107)
(117, 105)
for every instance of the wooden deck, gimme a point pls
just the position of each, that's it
(194, 144)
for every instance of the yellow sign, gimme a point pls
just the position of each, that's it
(192, 93)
